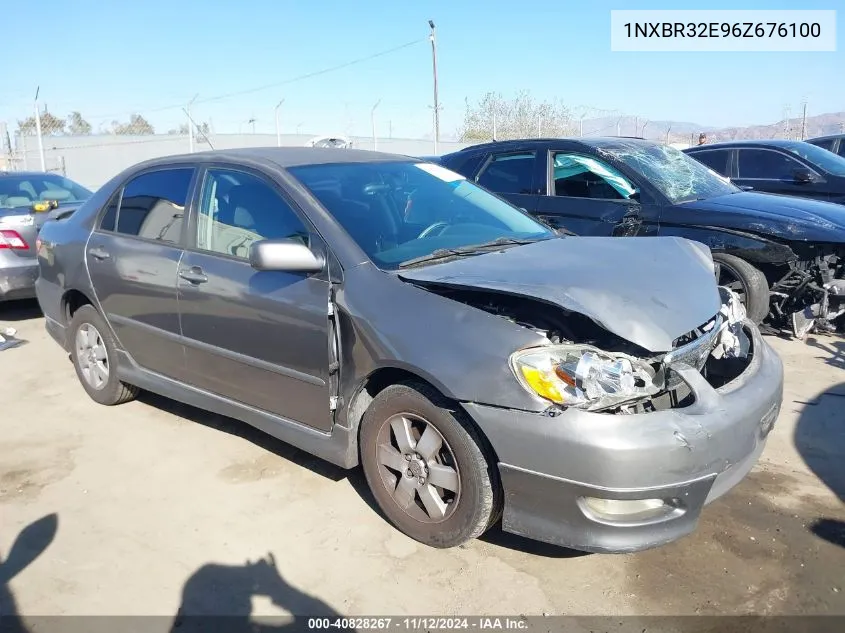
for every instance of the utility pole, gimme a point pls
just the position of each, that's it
(619, 127)
(38, 132)
(390, 128)
(433, 38)
(190, 124)
(278, 127)
(539, 126)
(786, 113)
(804, 121)
(494, 123)
(581, 125)
(373, 121)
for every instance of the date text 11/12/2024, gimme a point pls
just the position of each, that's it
(418, 623)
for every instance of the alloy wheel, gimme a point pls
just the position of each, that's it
(418, 468)
(91, 356)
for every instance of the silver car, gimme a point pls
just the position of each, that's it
(382, 311)
(27, 200)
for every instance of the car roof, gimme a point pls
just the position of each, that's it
(763, 142)
(587, 141)
(826, 137)
(286, 156)
(29, 174)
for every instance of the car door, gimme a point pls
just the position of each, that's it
(588, 196)
(260, 338)
(775, 171)
(513, 175)
(133, 256)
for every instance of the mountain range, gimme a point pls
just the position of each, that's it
(685, 132)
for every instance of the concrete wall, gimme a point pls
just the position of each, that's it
(92, 160)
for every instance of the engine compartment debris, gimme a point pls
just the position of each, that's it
(585, 366)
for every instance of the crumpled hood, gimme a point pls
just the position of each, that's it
(785, 216)
(649, 290)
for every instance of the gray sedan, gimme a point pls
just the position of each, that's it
(27, 200)
(380, 310)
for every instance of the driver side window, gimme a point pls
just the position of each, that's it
(238, 209)
(579, 176)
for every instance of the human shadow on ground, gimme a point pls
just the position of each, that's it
(219, 598)
(820, 440)
(29, 545)
(834, 348)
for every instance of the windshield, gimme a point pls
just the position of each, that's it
(830, 162)
(677, 176)
(402, 211)
(25, 189)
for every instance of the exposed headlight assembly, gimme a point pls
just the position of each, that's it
(732, 341)
(584, 377)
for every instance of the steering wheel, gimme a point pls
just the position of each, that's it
(431, 228)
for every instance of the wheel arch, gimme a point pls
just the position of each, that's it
(72, 300)
(381, 378)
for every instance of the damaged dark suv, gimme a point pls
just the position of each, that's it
(784, 256)
(373, 309)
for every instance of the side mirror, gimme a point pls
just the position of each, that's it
(287, 255)
(802, 176)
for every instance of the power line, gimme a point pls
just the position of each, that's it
(284, 82)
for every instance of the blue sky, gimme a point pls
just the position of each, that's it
(110, 60)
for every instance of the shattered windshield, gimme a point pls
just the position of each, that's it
(830, 162)
(677, 176)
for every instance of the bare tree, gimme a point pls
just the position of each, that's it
(137, 125)
(76, 125)
(49, 125)
(201, 128)
(519, 117)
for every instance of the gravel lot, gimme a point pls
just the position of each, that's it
(158, 506)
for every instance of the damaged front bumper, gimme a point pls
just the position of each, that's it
(618, 483)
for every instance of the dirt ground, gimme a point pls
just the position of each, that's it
(152, 506)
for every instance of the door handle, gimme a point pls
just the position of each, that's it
(99, 253)
(194, 275)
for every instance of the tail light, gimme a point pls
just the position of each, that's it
(13, 240)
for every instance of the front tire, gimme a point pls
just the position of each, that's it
(427, 467)
(747, 281)
(94, 356)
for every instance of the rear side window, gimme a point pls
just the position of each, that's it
(110, 216)
(825, 144)
(716, 160)
(153, 205)
(765, 164)
(509, 173)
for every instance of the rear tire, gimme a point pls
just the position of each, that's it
(747, 281)
(470, 499)
(94, 355)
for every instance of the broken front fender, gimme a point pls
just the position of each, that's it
(685, 456)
